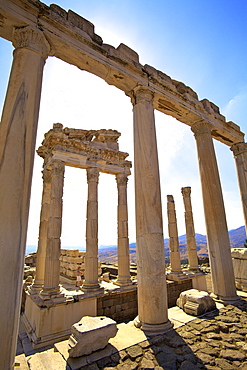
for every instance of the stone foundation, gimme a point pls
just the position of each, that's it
(118, 305)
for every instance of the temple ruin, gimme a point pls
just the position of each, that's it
(38, 31)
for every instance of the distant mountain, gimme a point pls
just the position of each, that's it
(237, 239)
(108, 254)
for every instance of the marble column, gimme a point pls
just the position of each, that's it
(190, 230)
(173, 237)
(152, 291)
(217, 232)
(18, 130)
(51, 287)
(240, 155)
(91, 282)
(123, 237)
(42, 243)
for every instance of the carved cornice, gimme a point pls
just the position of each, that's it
(96, 145)
(239, 148)
(201, 128)
(92, 175)
(122, 180)
(186, 191)
(31, 38)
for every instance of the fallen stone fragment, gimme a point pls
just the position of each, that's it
(195, 302)
(91, 334)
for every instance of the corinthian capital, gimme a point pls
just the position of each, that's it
(92, 175)
(58, 168)
(46, 176)
(186, 191)
(141, 94)
(121, 179)
(31, 38)
(200, 128)
(238, 148)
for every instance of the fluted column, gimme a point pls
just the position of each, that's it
(123, 237)
(190, 230)
(42, 243)
(91, 282)
(240, 155)
(173, 236)
(152, 291)
(51, 287)
(18, 130)
(217, 232)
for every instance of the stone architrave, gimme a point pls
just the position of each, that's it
(152, 291)
(190, 231)
(240, 155)
(91, 334)
(173, 236)
(42, 243)
(51, 287)
(91, 282)
(123, 238)
(17, 147)
(217, 232)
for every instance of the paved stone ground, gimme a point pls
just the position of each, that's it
(216, 341)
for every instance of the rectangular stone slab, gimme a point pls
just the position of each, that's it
(91, 334)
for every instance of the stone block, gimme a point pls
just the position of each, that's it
(91, 334)
(127, 53)
(195, 302)
(239, 260)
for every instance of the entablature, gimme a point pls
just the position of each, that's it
(72, 39)
(84, 149)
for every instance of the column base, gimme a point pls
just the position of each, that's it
(153, 329)
(225, 300)
(123, 282)
(91, 288)
(35, 288)
(51, 293)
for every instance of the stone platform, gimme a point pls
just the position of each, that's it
(217, 340)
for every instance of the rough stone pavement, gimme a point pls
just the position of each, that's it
(216, 341)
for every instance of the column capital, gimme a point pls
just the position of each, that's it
(186, 191)
(141, 94)
(31, 38)
(238, 148)
(201, 128)
(46, 175)
(121, 179)
(170, 199)
(92, 174)
(57, 167)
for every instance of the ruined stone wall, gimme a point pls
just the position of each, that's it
(122, 306)
(70, 260)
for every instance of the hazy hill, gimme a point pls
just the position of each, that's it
(108, 254)
(237, 239)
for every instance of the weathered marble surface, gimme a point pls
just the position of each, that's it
(195, 302)
(91, 334)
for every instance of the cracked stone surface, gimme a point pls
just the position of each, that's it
(216, 341)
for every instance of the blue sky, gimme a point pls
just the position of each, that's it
(201, 43)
